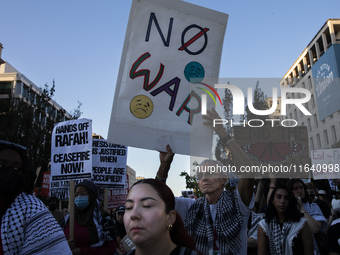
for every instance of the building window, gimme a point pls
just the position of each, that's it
(310, 82)
(311, 144)
(302, 124)
(24, 91)
(323, 122)
(313, 101)
(331, 116)
(325, 136)
(309, 125)
(318, 141)
(334, 134)
(5, 87)
(295, 115)
(315, 121)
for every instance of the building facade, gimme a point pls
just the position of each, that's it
(18, 86)
(317, 69)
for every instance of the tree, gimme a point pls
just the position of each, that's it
(259, 103)
(228, 109)
(191, 182)
(29, 121)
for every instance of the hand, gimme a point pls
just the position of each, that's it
(76, 251)
(219, 128)
(166, 157)
(299, 201)
(72, 244)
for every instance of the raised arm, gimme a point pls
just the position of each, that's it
(245, 185)
(165, 163)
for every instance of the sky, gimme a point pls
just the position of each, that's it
(79, 45)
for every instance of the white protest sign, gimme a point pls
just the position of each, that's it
(325, 164)
(170, 60)
(108, 164)
(71, 155)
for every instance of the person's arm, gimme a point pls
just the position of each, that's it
(307, 240)
(165, 163)
(314, 225)
(272, 186)
(262, 240)
(245, 185)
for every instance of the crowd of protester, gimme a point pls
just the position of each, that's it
(280, 217)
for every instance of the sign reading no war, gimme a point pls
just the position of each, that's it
(171, 57)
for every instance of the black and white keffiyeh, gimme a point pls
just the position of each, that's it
(255, 220)
(27, 227)
(281, 240)
(229, 222)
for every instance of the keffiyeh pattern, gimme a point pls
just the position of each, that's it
(199, 224)
(28, 227)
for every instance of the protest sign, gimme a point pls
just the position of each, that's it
(45, 187)
(170, 60)
(279, 150)
(117, 196)
(325, 164)
(125, 245)
(71, 155)
(108, 164)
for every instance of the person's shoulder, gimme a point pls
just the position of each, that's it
(184, 200)
(183, 251)
(29, 203)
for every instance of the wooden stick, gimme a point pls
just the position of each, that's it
(71, 208)
(106, 196)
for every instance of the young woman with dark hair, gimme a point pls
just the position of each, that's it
(311, 211)
(283, 230)
(152, 223)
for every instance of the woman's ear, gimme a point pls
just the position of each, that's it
(171, 217)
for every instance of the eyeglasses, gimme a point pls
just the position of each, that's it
(13, 145)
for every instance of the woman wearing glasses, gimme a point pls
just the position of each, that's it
(94, 232)
(27, 227)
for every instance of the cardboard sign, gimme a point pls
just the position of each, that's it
(117, 196)
(171, 59)
(71, 157)
(325, 164)
(282, 151)
(108, 164)
(45, 187)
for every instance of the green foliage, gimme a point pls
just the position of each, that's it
(29, 121)
(191, 183)
(259, 103)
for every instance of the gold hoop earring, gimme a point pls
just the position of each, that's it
(169, 227)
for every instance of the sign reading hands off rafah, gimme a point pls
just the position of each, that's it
(71, 155)
(171, 57)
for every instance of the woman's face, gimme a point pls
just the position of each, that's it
(145, 219)
(281, 200)
(298, 190)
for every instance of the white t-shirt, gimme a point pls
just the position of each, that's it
(183, 204)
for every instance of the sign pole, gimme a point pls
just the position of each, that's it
(71, 208)
(106, 195)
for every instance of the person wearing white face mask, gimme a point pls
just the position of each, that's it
(94, 231)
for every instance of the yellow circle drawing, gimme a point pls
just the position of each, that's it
(141, 106)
